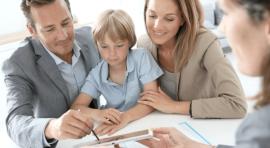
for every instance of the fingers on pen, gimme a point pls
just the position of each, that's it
(82, 118)
(76, 133)
(68, 135)
(80, 122)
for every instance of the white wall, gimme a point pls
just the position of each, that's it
(85, 10)
(11, 17)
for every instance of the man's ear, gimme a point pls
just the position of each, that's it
(31, 29)
(267, 29)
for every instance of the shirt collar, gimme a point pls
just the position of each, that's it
(130, 61)
(105, 68)
(76, 52)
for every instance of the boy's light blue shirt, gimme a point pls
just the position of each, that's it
(141, 69)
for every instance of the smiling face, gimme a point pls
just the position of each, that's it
(54, 27)
(114, 52)
(249, 40)
(163, 20)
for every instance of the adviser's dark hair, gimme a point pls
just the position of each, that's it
(258, 11)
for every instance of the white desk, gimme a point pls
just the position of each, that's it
(216, 131)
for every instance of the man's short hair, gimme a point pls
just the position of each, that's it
(27, 4)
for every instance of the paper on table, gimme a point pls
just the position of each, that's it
(190, 132)
(184, 127)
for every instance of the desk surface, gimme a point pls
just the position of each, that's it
(216, 131)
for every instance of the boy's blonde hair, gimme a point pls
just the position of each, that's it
(117, 24)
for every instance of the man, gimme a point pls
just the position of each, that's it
(44, 76)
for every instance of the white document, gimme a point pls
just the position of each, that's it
(184, 127)
(192, 133)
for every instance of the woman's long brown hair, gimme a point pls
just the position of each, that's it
(192, 14)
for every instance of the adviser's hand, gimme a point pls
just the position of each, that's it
(172, 138)
(72, 124)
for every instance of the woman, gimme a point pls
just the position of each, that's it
(198, 80)
(246, 23)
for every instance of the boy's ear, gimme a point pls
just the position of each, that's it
(268, 29)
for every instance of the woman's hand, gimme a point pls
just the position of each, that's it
(108, 116)
(158, 100)
(112, 128)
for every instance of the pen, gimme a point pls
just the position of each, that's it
(95, 134)
(91, 129)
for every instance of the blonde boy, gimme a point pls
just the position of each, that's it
(120, 77)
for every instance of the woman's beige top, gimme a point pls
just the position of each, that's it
(208, 80)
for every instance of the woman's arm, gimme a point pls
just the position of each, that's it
(164, 103)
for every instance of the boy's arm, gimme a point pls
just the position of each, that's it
(81, 103)
(108, 116)
(141, 110)
(136, 112)
(148, 71)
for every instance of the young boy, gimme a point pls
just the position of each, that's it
(120, 77)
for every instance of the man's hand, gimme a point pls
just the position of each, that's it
(72, 124)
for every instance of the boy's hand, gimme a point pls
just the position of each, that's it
(112, 128)
(108, 116)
